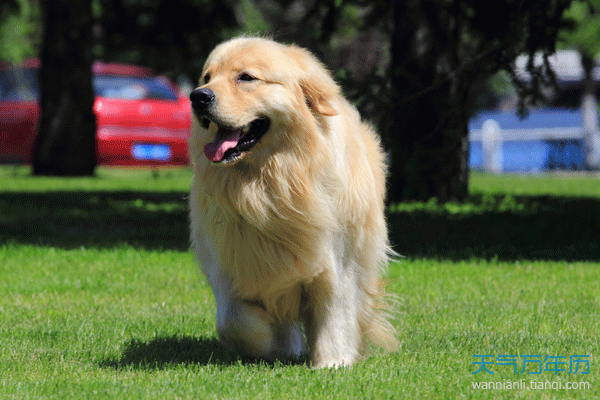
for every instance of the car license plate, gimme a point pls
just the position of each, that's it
(154, 152)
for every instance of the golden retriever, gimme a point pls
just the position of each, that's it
(287, 207)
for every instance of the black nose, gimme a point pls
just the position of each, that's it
(202, 99)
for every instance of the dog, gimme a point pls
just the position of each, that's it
(287, 207)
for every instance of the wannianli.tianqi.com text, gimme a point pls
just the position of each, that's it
(530, 385)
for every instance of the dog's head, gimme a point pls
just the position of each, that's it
(257, 94)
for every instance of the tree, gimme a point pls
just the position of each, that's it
(167, 35)
(66, 142)
(174, 35)
(582, 33)
(440, 49)
(582, 30)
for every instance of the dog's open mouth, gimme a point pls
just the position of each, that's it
(231, 144)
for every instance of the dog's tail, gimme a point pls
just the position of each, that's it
(374, 319)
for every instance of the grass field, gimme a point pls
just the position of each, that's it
(100, 296)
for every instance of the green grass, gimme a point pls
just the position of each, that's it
(100, 296)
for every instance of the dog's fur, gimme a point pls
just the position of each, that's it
(291, 234)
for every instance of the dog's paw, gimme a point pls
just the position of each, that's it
(332, 363)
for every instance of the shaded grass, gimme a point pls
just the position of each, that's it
(509, 217)
(142, 208)
(71, 219)
(506, 218)
(530, 227)
(100, 297)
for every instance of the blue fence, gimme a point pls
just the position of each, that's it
(545, 140)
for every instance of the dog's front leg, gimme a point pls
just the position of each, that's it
(332, 321)
(243, 327)
(247, 330)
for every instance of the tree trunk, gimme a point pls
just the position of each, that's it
(66, 142)
(426, 130)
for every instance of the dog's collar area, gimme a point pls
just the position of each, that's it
(230, 144)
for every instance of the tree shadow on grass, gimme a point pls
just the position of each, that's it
(167, 352)
(489, 227)
(505, 228)
(71, 219)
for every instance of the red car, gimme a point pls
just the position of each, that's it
(142, 118)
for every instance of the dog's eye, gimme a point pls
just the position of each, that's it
(206, 78)
(246, 77)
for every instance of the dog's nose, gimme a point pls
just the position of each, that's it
(202, 98)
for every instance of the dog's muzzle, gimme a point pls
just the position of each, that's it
(202, 99)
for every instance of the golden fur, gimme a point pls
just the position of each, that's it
(291, 234)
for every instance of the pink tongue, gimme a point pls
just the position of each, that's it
(225, 140)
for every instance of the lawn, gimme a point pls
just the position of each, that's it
(100, 296)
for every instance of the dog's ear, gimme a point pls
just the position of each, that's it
(318, 87)
(317, 96)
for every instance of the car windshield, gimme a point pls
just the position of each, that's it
(133, 88)
(20, 84)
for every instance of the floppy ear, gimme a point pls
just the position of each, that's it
(318, 87)
(317, 96)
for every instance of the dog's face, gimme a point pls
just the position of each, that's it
(252, 91)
